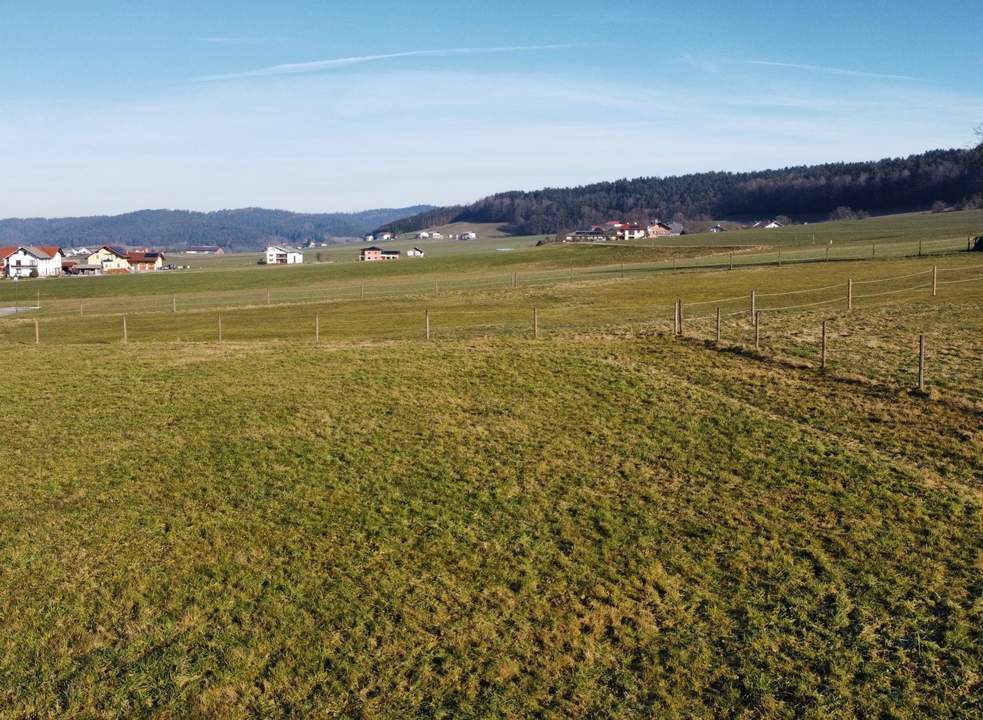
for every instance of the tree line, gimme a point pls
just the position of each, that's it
(815, 192)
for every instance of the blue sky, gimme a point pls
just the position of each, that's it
(320, 106)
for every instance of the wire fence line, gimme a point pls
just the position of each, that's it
(370, 289)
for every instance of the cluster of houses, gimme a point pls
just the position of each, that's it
(377, 254)
(32, 261)
(422, 235)
(618, 230)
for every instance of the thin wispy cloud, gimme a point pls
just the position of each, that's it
(335, 63)
(824, 69)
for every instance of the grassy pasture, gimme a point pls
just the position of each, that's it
(595, 527)
(606, 522)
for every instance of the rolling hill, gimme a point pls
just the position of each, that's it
(806, 193)
(245, 229)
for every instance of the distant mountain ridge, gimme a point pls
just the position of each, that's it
(243, 229)
(804, 192)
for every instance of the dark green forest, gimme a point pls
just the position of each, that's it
(246, 229)
(803, 193)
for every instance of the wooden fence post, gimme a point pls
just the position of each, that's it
(680, 302)
(361, 294)
(426, 321)
(779, 257)
(731, 262)
(849, 294)
(173, 303)
(935, 280)
(754, 303)
(535, 323)
(822, 354)
(675, 318)
(919, 248)
(81, 309)
(267, 296)
(921, 363)
(718, 325)
(873, 250)
(757, 330)
(125, 338)
(515, 280)
(37, 332)
(219, 329)
(317, 328)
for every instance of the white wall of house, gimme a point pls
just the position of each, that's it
(24, 264)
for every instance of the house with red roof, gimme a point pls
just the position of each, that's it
(145, 261)
(30, 261)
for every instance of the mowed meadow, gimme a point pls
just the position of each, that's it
(604, 521)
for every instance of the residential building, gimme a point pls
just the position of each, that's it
(110, 259)
(282, 255)
(629, 231)
(26, 261)
(468, 236)
(424, 235)
(145, 261)
(658, 229)
(415, 253)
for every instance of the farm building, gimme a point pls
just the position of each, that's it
(204, 250)
(145, 261)
(468, 236)
(718, 229)
(767, 225)
(375, 254)
(593, 235)
(281, 255)
(424, 235)
(110, 259)
(414, 252)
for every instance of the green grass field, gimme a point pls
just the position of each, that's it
(605, 522)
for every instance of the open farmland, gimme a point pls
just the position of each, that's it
(604, 521)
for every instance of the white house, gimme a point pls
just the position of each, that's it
(280, 255)
(436, 236)
(414, 252)
(468, 236)
(767, 225)
(31, 261)
(424, 235)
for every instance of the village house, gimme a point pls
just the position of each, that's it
(423, 235)
(629, 231)
(110, 260)
(281, 255)
(26, 261)
(375, 254)
(145, 260)
(658, 229)
(384, 236)
(414, 252)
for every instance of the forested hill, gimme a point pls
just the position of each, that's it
(808, 192)
(246, 229)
